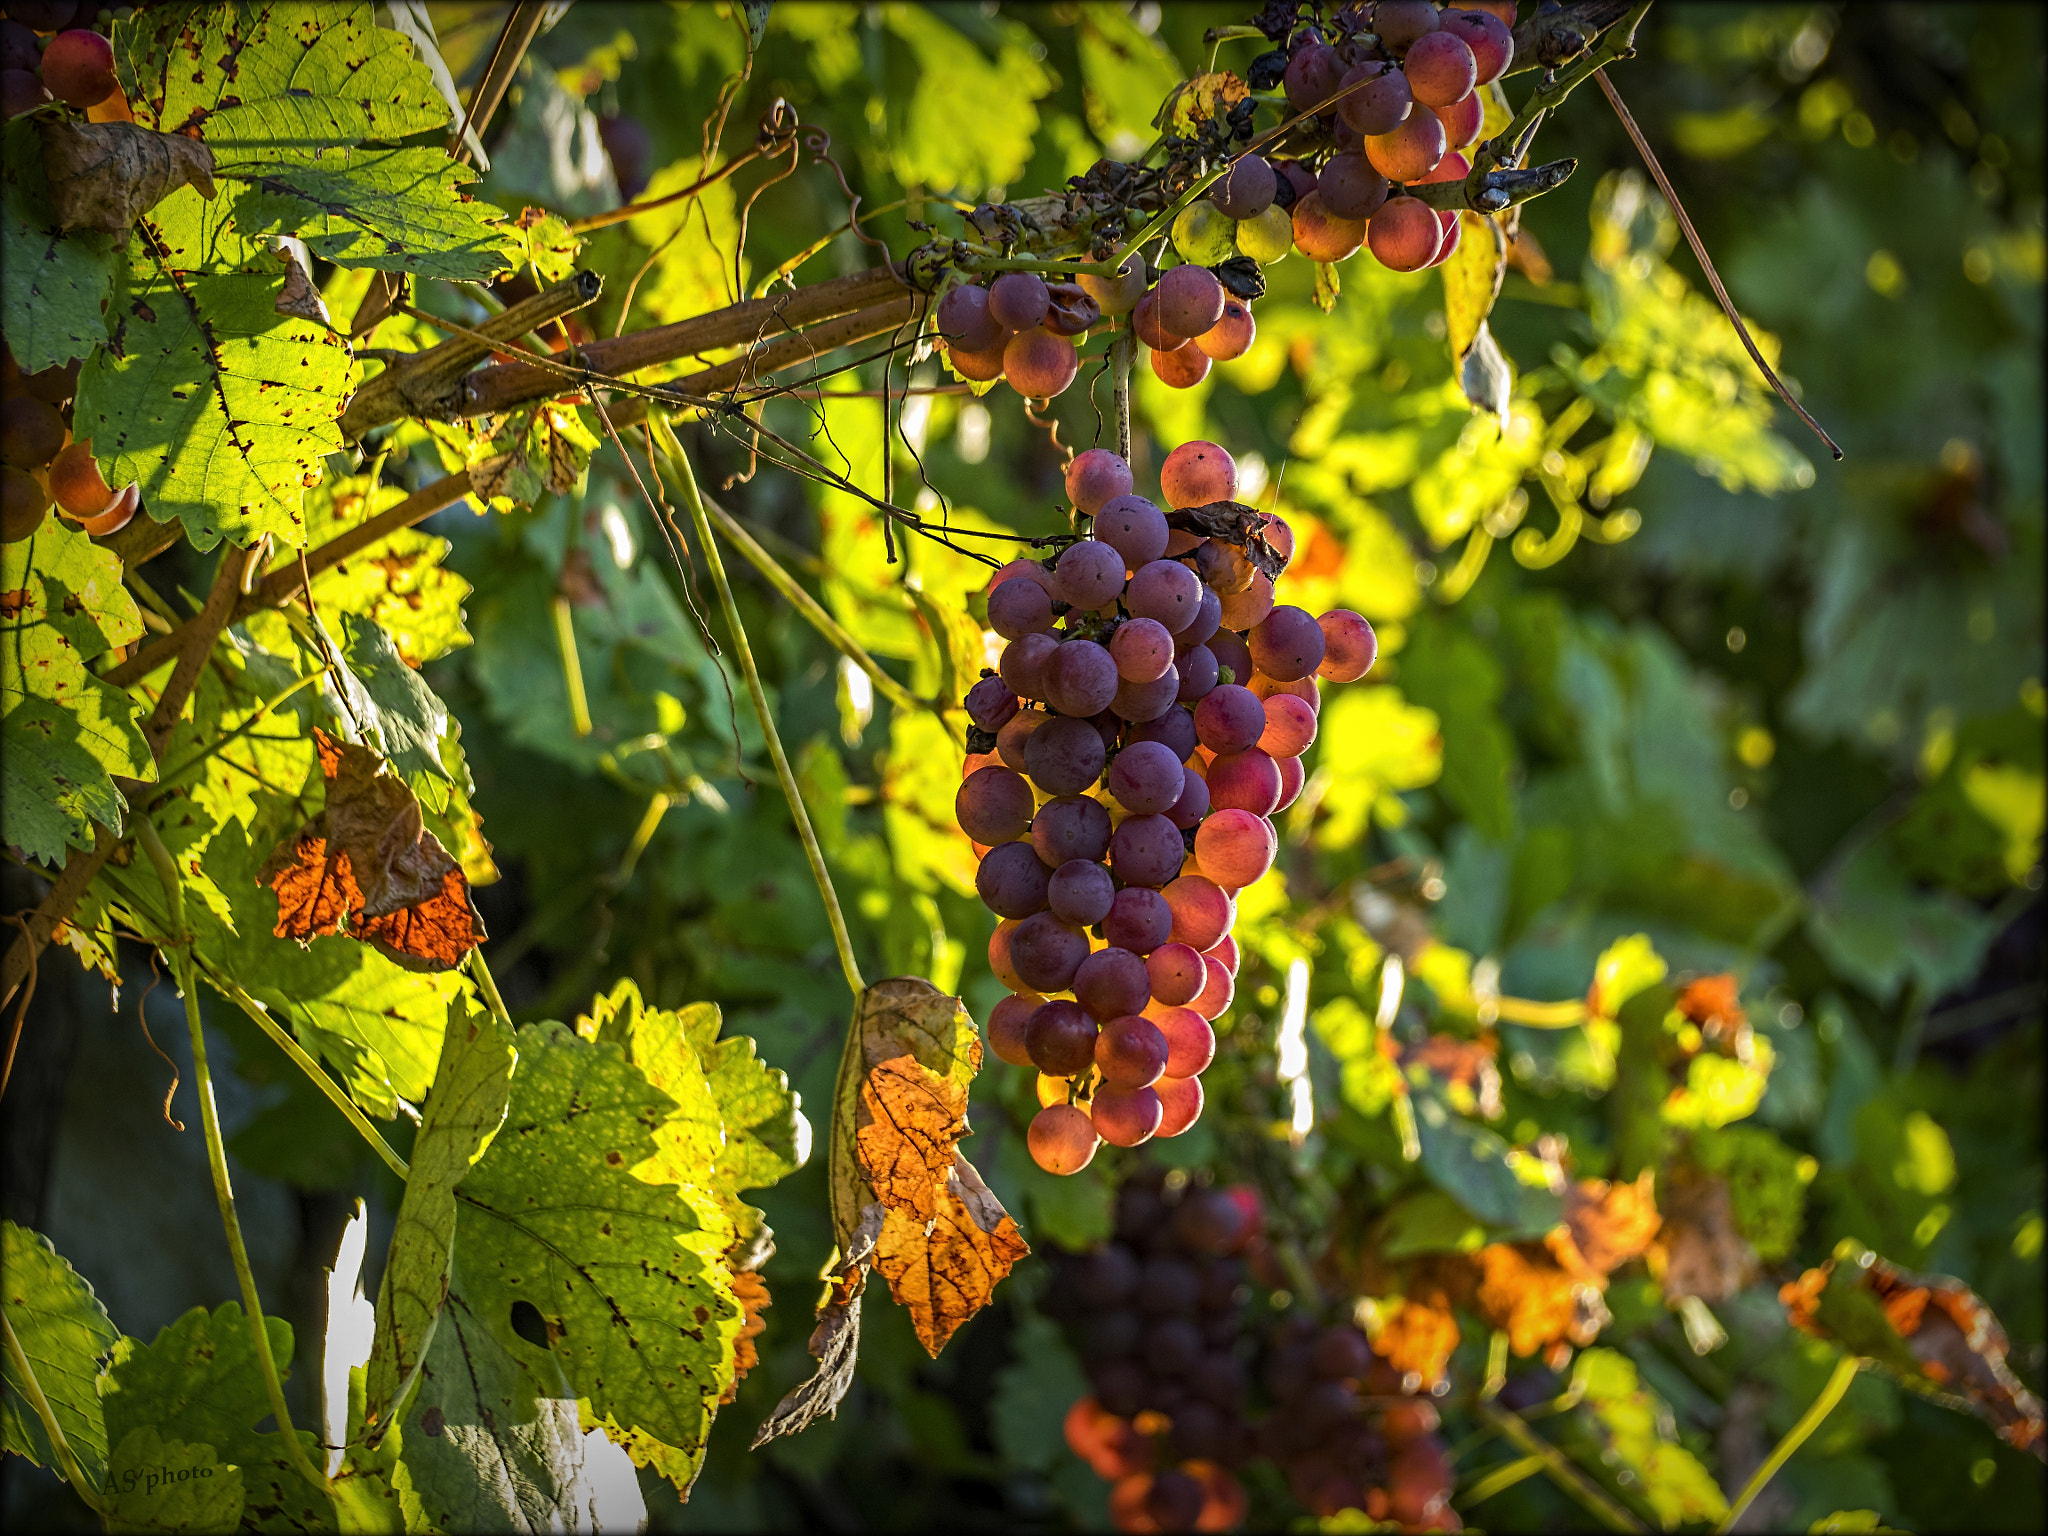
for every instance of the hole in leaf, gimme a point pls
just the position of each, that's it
(528, 1323)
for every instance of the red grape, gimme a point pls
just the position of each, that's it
(1320, 235)
(1112, 982)
(1007, 1022)
(1134, 527)
(1290, 726)
(1131, 1052)
(1142, 650)
(1080, 680)
(1064, 757)
(1224, 569)
(983, 367)
(1018, 300)
(1313, 72)
(1012, 880)
(24, 506)
(1405, 234)
(1039, 364)
(1463, 120)
(1350, 188)
(994, 805)
(1175, 973)
(1190, 300)
(1232, 848)
(1350, 647)
(1146, 778)
(1045, 953)
(1225, 954)
(1218, 987)
(1291, 778)
(1081, 891)
(1287, 644)
(1167, 591)
(1139, 920)
(999, 956)
(18, 48)
(1202, 910)
(1242, 781)
(1453, 232)
(1410, 151)
(990, 704)
(1190, 1042)
(1400, 22)
(1232, 652)
(1245, 190)
(1243, 610)
(1090, 573)
(1197, 473)
(1062, 1139)
(1152, 329)
(1207, 619)
(31, 432)
(78, 67)
(1096, 478)
(1378, 106)
(1069, 828)
(1014, 733)
(1232, 336)
(1182, 368)
(1492, 42)
(1441, 69)
(1116, 295)
(964, 319)
(1125, 1117)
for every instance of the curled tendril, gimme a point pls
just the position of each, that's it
(1049, 424)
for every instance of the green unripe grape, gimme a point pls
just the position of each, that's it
(1204, 234)
(1267, 237)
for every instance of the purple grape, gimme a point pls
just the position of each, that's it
(1230, 719)
(990, 704)
(1008, 1021)
(1065, 756)
(1193, 803)
(1379, 107)
(1244, 781)
(1125, 1117)
(1061, 1038)
(1146, 778)
(1018, 300)
(1288, 644)
(964, 319)
(1139, 920)
(1140, 702)
(993, 806)
(1091, 574)
(1019, 607)
(1012, 881)
(1069, 828)
(1094, 479)
(1022, 664)
(1142, 649)
(1131, 1052)
(1014, 733)
(1176, 728)
(1350, 187)
(1046, 952)
(1167, 591)
(1206, 621)
(1246, 189)
(1081, 890)
(1198, 675)
(1111, 982)
(1109, 725)
(1232, 652)
(1134, 527)
(1146, 850)
(1080, 680)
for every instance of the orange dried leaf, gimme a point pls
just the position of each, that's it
(1419, 1337)
(751, 1292)
(947, 1271)
(1606, 1225)
(315, 890)
(914, 1118)
(1527, 1294)
(431, 935)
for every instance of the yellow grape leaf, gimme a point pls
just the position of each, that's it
(1472, 279)
(912, 1119)
(945, 1271)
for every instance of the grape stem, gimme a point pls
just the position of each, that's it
(1495, 191)
(1796, 1436)
(1560, 1469)
(33, 1391)
(1512, 142)
(1121, 353)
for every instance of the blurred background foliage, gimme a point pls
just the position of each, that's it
(1651, 664)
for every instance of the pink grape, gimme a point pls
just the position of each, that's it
(1175, 974)
(1218, 988)
(1302, 688)
(1247, 189)
(1312, 74)
(990, 704)
(1240, 781)
(1031, 570)
(1039, 364)
(1152, 328)
(1453, 232)
(1225, 954)
(1125, 1117)
(1014, 733)
(1022, 664)
(1202, 910)
(1206, 622)
(1181, 542)
(1131, 1052)
(1320, 234)
(1146, 850)
(1230, 719)
(994, 805)
(1139, 920)
(1197, 674)
(1287, 644)
(1190, 300)
(1167, 591)
(1095, 478)
(1182, 368)
(1349, 646)
(1012, 880)
(1192, 805)
(1062, 1139)
(1090, 573)
(1071, 827)
(1063, 756)
(999, 956)
(1400, 22)
(1292, 776)
(1290, 726)
(964, 319)
(1007, 1023)
(1112, 982)
(1019, 608)
(1279, 537)
(1180, 1106)
(1190, 1042)
(1410, 151)
(1140, 702)
(1081, 891)
(1463, 120)
(1142, 650)
(78, 66)
(1176, 728)
(1441, 69)
(1232, 652)
(1232, 848)
(1060, 1038)
(1350, 188)
(1491, 42)
(1376, 107)
(1146, 778)
(1197, 473)
(983, 367)
(1232, 336)
(1117, 295)
(1018, 300)
(1134, 527)
(1244, 610)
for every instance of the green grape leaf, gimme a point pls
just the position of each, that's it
(401, 582)
(406, 720)
(199, 1382)
(275, 81)
(465, 1107)
(63, 1331)
(66, 732)
(1470, 1164)
(635, 1315)
(1628, 1423)
(392, 210)
(52, 285)
(220, 407)
(159, 1484)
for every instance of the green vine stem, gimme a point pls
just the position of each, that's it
(1500, 1479)
(686, 481)
(1120, 354)
(1560, 1469)
(1796, 1436)
(1618, 44)
(178, 952)
(486, 983)
(572, 665)
(336, 1094)
(33, 1389)
(178, 770)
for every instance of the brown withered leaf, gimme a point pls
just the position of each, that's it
(1605, 1225)
(912, 1120)
(104, 176)
(430, 935)
(1419, 1337)
(1535, 1300)
(945, 1272)
(1463, 1063)
(1700, 1252)
(1202, 98)
(835, 1341)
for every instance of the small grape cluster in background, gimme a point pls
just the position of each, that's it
(1413, 74)
(1144, 724)
(1194, 1380)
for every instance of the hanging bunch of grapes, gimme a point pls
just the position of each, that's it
(1145, 723)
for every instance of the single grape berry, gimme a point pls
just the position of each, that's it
(1096, 478)
(1045, 953)
(1292, 777)
(983, 367)
(78, 67)
(1409, 151)
(1146, 778)
(1350, 188)
(1139, 920)
(1400, 22)
(994, 805)
(1230, 719)
(1175, 974)
(1182, 368)
(1060, 1038)
(1207, 618)
(1176, 728)
(1463, 121)
(1152, 328)
(1018, 300)
(1070, 311)
(1146, 851)
(1193, 804)
(1019, 608)
(20, 91)
(1321, 234)
(1142, 650)
(1167, 591)
(1081, 892)
(23, 507)
(1038, 364)
(1287, 644)
(1246, 189)
(1112, 982)
(1290, 725)
(964, 319)
(1233, 848)
(1243, 781)
(1022, 664)
(1311, 76)
(1204, 234)
(1007, 1022)
(1406, 234)
(1080, 679)
(1134, 527)
(18, 48)
(1243, 610)
(1117, 295)
(1062, 1139)
(1198, 674)
(1064, 757)
(1140, 702)
(1218, 987)
(1073, 827)
(1232, 336)
(1202, 911)
(1190, 1042)
(1196, 474)
(1190, 301)
(1379, 101)
(1491, 40)
(1268, 237)
(31, 432)
(1441, 69)
(1012, 880)
(1125, 1117)
(990, 704)
(1090, 573)
(1349, 646)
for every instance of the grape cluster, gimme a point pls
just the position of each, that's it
(43, 464)
(1192, 1382)
(70, 62)
(1147, 719)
